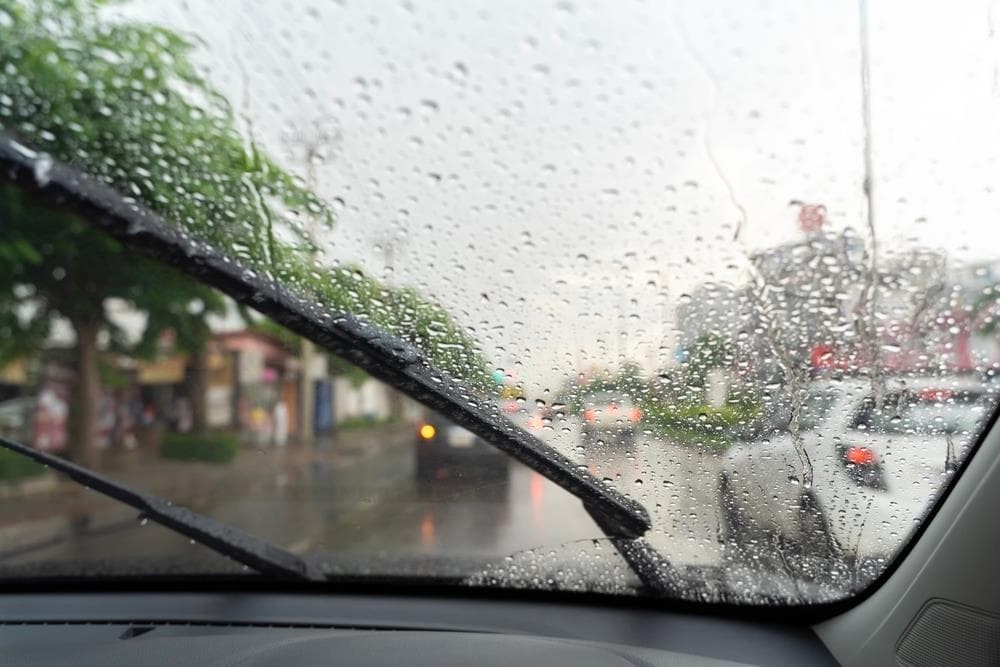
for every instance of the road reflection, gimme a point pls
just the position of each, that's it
(327, 502)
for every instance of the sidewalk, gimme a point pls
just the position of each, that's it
(55, 507)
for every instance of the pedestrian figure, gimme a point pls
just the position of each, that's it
(280, 424)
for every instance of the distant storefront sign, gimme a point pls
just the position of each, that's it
(169, 370)
(812, 217)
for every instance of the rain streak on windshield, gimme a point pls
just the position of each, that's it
(732, 262)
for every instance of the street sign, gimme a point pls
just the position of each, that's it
(812, 217)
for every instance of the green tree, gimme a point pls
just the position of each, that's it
(709, 351)
(182, 306)
(985, 310)
(58, 266)
(122, 101)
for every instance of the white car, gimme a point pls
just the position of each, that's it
(610, 417)
(874, 470)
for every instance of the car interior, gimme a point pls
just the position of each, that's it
(522, 462)
(938, 605)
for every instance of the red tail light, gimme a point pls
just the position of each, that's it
(635, 415)
(589, 415)
(862, 466)
(860, 456)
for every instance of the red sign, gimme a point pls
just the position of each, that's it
(821, 357)
(812, 217)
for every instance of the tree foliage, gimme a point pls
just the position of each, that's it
(122, 100)
(57, 266)
(710, 350)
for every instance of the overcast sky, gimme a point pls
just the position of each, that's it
(559, 174)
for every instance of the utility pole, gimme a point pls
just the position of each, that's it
(666, 317)
(389, 258)
(870, 295)
(319, 137)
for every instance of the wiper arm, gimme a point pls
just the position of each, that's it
(255, 553)
(380, 354)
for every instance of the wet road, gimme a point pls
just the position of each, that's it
(372, 506)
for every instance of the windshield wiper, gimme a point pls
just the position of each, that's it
(255, 553)
(380, 354)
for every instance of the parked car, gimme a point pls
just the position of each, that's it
(447, 452)
(609, 418)
(875, 464)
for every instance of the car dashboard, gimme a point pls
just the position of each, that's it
(288, 629)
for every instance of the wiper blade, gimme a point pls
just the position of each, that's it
(382, 355)
(255, 553)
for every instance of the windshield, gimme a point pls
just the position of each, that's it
(731, 261)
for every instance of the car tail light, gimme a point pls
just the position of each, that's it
(862, 466)
(861, 456)
(589, 415)
(635, 415)
(427, 431)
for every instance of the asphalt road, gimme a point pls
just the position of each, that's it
(373, 507)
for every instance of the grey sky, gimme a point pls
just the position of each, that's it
(551, 171)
